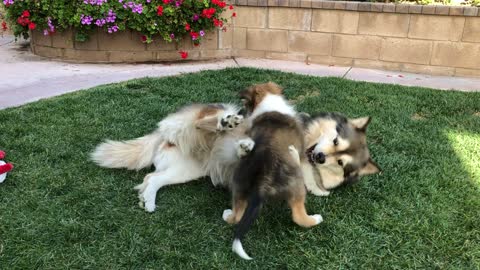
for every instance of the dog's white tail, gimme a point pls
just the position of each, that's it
(133, 154)
(238, 248)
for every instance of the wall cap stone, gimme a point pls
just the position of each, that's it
(442, 10)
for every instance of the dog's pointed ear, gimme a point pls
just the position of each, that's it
(361, 124)
(370, 168)
(244, 95)
(274, 88)
(247, 99)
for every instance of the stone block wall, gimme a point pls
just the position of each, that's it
(125, 47)
(438, 40)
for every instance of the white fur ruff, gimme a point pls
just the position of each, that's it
(273, 103)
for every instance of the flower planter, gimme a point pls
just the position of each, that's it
(124, 47)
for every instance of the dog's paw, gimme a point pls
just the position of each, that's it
(226, 214)
(149, 202)
(244, 147)
(319, 192)
(141, 188)
(229, 122)
(146, 200)
(318, 218)
(141, 203)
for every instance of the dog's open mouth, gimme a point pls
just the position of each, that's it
(310, 155)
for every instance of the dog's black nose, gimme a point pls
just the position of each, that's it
(320, 158)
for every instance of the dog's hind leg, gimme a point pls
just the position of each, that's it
(234, 216)
(299, 213)
(309, 181)
(171, 176)
(180, 169)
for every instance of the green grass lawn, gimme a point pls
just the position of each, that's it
(59, 210)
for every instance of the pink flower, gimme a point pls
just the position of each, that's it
(8, 2)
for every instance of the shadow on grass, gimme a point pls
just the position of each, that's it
(58, 209)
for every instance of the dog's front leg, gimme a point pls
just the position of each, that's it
(294, 153)
(244, 146)
(309, 181)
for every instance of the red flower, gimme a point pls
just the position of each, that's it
(183, 54)
(187, 27)
(194, 35)
(159, 10)
(143, 38)
(166, 1)
(217, 22)
(208, 13)
(23, 21)
(219, 3)
(4, 26)
(234, 14)
(230, 7)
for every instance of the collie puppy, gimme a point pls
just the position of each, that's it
(271, 169)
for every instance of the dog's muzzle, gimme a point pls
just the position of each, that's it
(320, 158)
(315, 158)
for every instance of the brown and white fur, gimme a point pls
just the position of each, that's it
(271, 170)
(204, 140)
(337, 151)
(194, 142)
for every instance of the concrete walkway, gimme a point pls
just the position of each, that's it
(25, 77)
